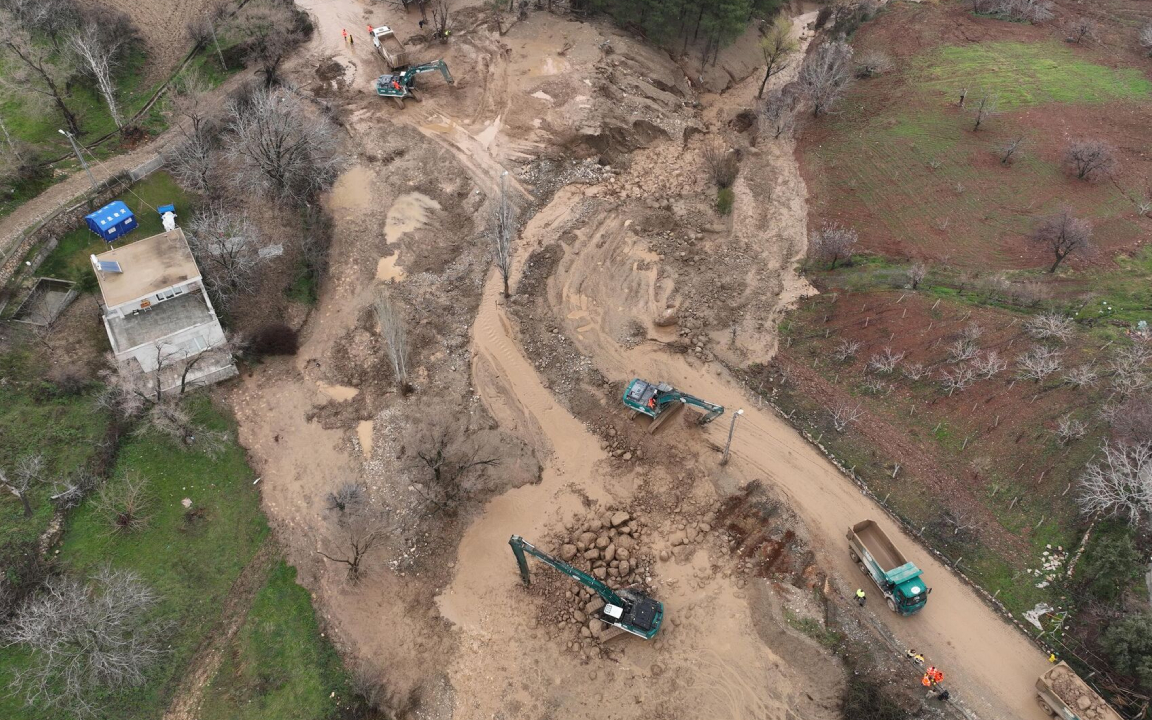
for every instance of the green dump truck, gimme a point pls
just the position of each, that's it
(882, 561)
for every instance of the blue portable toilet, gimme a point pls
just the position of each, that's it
(112, 221)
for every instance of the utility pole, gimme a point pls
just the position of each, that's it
(76, 149)
(731, 430)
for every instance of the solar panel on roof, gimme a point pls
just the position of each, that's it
(109, 266)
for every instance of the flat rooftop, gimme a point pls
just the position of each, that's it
(150, 265)
(158, 321)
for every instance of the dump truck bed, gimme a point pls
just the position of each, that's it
(390, 47)
(878, 545)
(1061, 686)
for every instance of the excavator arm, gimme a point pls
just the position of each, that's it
(440, 65)
(521, 546)
(711, 410)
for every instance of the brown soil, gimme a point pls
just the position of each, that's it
(606, 173)
(904, 210)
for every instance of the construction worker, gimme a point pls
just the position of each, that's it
(915, 657)
(369, 31)
(926, 681)
(860, 597)
(344, 32)
(351, 41)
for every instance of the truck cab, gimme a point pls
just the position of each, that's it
(910, 595)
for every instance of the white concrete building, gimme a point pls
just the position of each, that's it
(158, 315)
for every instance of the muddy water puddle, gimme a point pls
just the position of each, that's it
(387, 270)
(339, 393)
(408, 213)
(364, 435)
(353, 191)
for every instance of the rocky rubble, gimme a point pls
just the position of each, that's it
(610, 545)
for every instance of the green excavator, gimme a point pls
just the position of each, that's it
(401, 84)
(627, 609)
(660, 401)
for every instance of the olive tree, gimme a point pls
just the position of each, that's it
(1119, 483)
(1063, 234)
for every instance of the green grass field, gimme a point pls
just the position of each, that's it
(1025, 74)
(69, 261)
(278, 666)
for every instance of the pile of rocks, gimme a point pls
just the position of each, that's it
(617, 445)
(608, 546)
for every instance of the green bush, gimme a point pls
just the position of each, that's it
(724, 200)
(1129, 643)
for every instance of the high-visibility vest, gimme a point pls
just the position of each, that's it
(859, 593)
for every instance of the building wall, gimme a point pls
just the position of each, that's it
(184, 288)
(177, 346)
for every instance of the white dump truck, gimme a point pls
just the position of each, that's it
(389, 47)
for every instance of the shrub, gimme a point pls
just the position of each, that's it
(724, 200)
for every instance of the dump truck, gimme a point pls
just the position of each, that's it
(389, 47)
(880, 559)
(1061, 693)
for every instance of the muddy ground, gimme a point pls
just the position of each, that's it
(603, 139)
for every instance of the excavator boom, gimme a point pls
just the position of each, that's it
(628, 610)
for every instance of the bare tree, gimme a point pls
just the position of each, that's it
(776, 45)
(1145, 38)
(988, 106)
(450, 462)
(87, 640)
(846, 350)
(972, 332)
(1063, 234)
(1009, 149)
(1081, 376)
(779, 112)
(917, 271)
(1069, 429)
(844, 415)
(832, 242)
(125, 502)
(1081, 29)
(273, 30)
(226, 244)
(193, 162)
(99, 51)
(362, 532)
(29, 471)
(349, 497)
(170, 419)
(1038, 363)
(1033, 11)
(876, 386)
(721, 163)
(961, 522)
(1120, 483)
(959, 378)
(502, 232)
(280, 149)
(1090, 159)
(885, 363)
(45, 73)
(962, 350)
(914, 371)
(52, 18)
(989, 364)
(442, 18)
(395, 336)
(872, 63)
(825, 75)
(1050, 326)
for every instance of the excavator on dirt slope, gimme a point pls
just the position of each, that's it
(401, 84)
(660, 402)
(627, 609)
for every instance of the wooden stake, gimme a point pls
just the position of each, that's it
(1040, 523)
(997, 423)
(1013, 502)
(904, 314)
(1066, 490)
(965, 445)
(894, 474)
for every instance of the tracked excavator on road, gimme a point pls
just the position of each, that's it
(660, 401)
(627, 608)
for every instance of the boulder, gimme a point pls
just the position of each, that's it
(620, 518)
(610, 553)
(592, 554)
(588, 538)
(676, 538)
(600, 573)
(603, 541)
(623, 553)
(624, 567)
(567, 552)
(625, 541)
